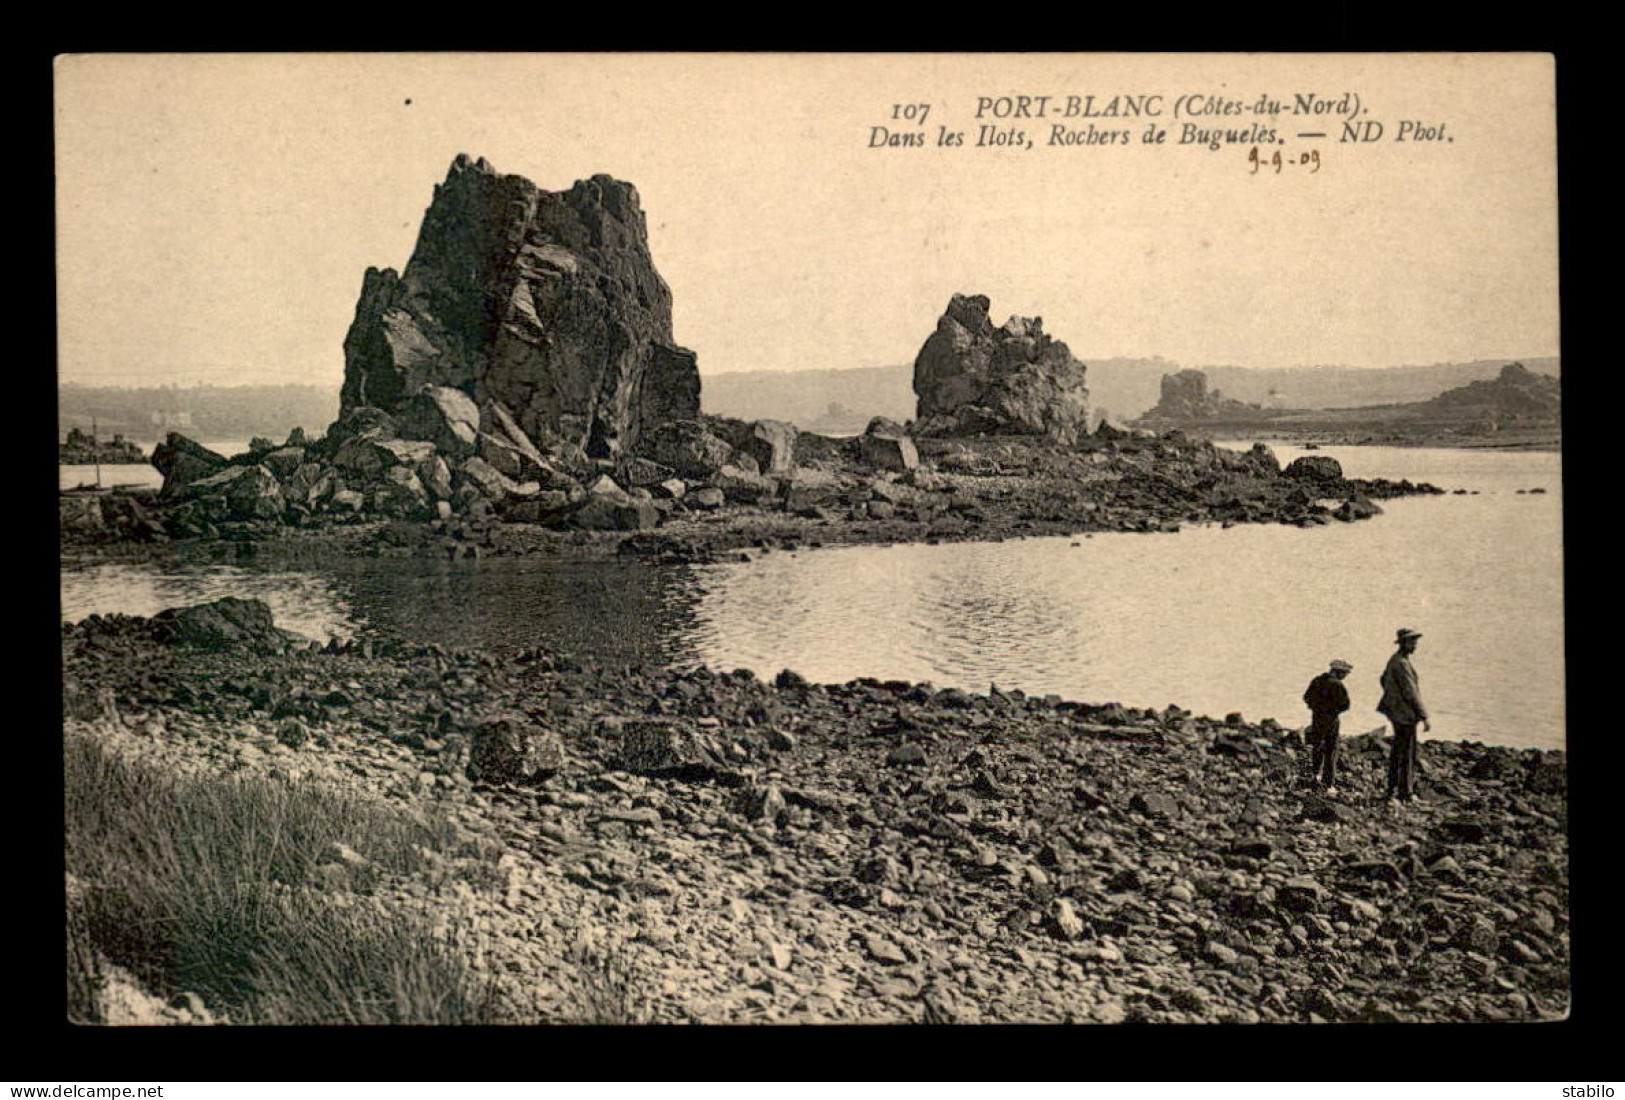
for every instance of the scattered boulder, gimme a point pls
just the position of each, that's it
(887, 451)
(743, 486)
(227, 623)
(602, 512)
(907, 754)
(443, 416)
(772, 443)
(360, 422)
(80, 515)
(687, 447)
(1300, 894)
(642, 473)
(1314, 468)
(402, 495)
(707, 499)
(1262, 459)
(510, 749)
(1357, 507)
(490, 482)
(662, 747)
(435, 475)
(1154, 804)
(256, 494)
(511, 460)
(347, 500)
(1065, 922)
(368, 457)
(545, 507)
(283, 461)
(183, 462)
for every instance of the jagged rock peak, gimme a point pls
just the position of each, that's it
(547, 303)
(973, 378)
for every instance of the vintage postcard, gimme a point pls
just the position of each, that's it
(811, 538)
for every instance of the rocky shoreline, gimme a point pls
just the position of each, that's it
(1512, 440)
(988, 488)
(734, 850)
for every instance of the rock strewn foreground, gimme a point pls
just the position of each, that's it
(741, 851)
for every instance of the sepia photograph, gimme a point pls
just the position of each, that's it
(803, 538)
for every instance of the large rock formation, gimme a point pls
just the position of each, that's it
(545, 304)
(972, 378)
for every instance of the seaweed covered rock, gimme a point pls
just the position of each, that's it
(227, 623)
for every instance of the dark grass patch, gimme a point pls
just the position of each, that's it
(223, 886)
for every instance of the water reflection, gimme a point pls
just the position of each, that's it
(615, 610)
(306, 603)
(1212, 619)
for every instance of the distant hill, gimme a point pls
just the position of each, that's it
(1352, 387)
(1516, 396)
(203, 412)
(818, 400)
(1517, 407)
(844, 400)
(840, 400)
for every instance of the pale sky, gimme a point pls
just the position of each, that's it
(216, 213)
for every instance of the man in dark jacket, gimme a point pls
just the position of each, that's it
(1402, 705)
(1327, 698)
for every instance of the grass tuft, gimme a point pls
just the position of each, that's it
(237, 889)
(607, 990)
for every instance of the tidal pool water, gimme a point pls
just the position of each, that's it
(1213, 619)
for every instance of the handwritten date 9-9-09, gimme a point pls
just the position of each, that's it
(1309, 159)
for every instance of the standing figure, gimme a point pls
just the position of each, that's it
(1402, 705)
(1327, 698)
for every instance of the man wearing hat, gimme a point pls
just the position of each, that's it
(1402, 705)
(1327, 698)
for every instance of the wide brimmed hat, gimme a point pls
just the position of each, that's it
(1342, 666)
(1407, 632)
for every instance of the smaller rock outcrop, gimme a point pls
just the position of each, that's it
(1314, 468)
(228, 623)
(1185, 398)
(886, 446)
(81, 448)
(973, 379)
(1516, 396)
